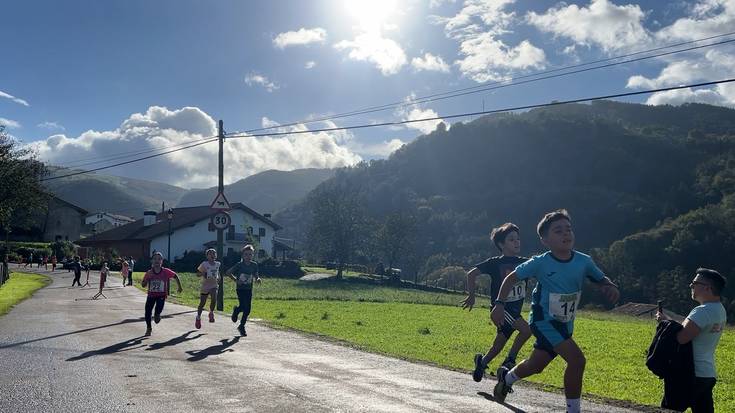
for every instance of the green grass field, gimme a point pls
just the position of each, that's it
(430, 327)
(18, 288)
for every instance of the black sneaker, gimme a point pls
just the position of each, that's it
(479, 368)
(148, 332)
(242, 331)
(234, 314)
(156, 318)
(501, 388)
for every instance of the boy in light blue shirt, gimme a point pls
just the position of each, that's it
(703, 327)
(560, 274)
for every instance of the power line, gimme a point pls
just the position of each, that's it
(403, 122)
(487, 112)
(128, 162)
(513, 81)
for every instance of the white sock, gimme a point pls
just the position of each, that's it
(511, 377)
(573, 406)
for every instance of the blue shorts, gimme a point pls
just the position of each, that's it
(550, 333)
(510, 315)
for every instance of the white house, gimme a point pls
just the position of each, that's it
(103, 221)
(191, 230)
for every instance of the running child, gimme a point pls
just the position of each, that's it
(157, 280)
(560, 273)
(209, 271)
(507, 240)
(244, 273)
(53, 263)
(104, 272)
(124, 271)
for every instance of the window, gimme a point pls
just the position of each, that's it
(261, 232)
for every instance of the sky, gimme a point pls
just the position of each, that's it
(95, 81)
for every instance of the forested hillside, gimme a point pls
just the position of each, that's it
(622, 170)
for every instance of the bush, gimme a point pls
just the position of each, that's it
(284, 269)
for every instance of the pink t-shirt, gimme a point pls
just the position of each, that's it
(158, 282)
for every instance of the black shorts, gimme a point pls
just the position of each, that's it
(511, 313)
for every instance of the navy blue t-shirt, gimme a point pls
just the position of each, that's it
(498, 268)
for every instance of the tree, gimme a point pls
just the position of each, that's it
(395, 236)
(22, 197)
(338, 225)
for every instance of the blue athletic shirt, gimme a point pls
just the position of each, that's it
(559, 284)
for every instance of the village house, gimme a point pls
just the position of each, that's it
(63, 220)
(104, 221)
(191, 230)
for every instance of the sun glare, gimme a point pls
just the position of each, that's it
(371, 14)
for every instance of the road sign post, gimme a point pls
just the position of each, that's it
(223, 206)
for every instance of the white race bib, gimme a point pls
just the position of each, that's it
(563, 307)
(246, 278)
(518, 292)
(157, 286)
(212, 272)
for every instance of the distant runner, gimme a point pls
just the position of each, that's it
(157, 280)
(209, 271)
(244, 273)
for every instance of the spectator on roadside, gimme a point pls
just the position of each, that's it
(703, 327)
(131, 261)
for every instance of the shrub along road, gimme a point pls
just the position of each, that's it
(62, 351)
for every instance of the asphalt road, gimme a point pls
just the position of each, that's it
(60, 351)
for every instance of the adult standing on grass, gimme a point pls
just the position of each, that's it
(244, 273)
(209, 271)
(506, 239)
(560, 273)
(157, 280)
(703, 327)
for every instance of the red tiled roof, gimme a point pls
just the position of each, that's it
(182, 217)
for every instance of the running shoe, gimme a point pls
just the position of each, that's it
(242, 331)
(479, 368)
(198, 323)
(501, 388)
(211, 317)
(234, 314)
(157, 318)
(148, 332)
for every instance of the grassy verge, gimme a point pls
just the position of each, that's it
(429, 327)
(18, 288)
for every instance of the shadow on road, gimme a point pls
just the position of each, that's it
(197, 355)
(115, 348)
(126, 321)
(492, 399)
(174, 341)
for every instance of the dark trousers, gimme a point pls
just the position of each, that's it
(703, 402)
(245, 297)
(158, 302)
(130, 277)
(76, 279)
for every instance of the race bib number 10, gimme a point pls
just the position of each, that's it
(563, 307)
(518, 292)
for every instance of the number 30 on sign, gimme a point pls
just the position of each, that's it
(221, 220)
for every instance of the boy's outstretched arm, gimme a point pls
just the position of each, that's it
(176, 277)
(228, 273)
(497, 315)
(609, 290)
(469, 301)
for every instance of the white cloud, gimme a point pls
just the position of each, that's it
(603, 24)
(9, 123)
(255, 79)
(680, 96)
(386, 54)
(708, 18)
(310, 64)
(414, 112)
(478, 26)
(430, 62)
(197, 166)
(13, 98)
(51, 126)
(300, 37)
(378, 150)
(438, 3)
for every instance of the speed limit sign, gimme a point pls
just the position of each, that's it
(221, 220)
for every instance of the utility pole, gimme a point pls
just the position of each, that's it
(220, 232)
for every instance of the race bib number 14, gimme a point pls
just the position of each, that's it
(563, 307)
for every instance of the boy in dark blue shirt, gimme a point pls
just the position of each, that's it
(506, 238)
